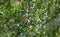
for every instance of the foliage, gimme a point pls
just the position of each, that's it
(30, 18)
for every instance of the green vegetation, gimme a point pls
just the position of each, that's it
(30, 18)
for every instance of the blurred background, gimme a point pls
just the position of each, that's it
(29, 18)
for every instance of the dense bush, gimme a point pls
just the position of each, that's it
(30, 18)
